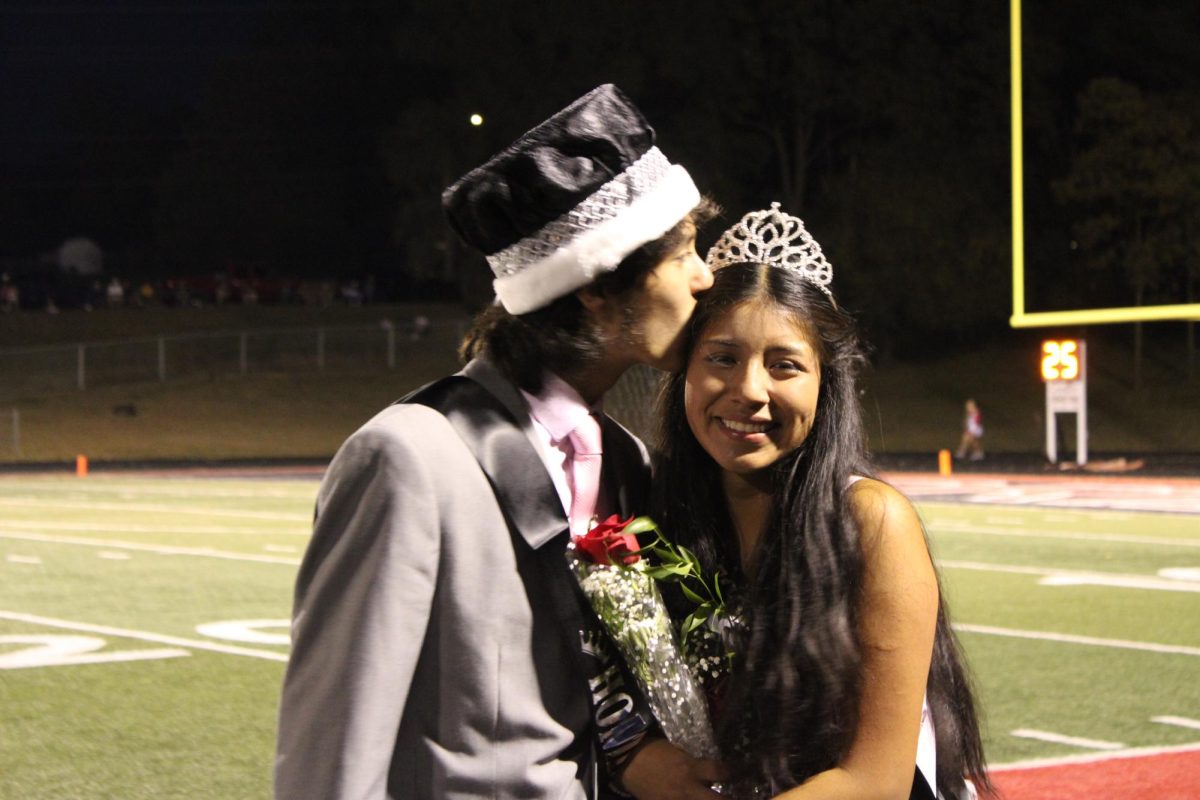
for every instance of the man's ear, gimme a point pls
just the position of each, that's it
(603, 309)
(592, 300)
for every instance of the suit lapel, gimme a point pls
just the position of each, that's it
(491, 418)
(504, 450)
(526, 496)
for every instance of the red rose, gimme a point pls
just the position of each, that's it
(607, 543)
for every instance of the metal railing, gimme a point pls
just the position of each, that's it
(31, 371)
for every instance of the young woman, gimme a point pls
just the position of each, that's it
(846, 674)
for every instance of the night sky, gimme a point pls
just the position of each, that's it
(160, 52)
(314, 138)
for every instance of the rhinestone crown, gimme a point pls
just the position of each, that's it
(777, 239)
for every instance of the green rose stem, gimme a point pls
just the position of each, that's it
(679, 565)
(625, 598)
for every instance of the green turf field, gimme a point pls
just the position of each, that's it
(118, 680)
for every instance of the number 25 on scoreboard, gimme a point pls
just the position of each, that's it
(1060, 360)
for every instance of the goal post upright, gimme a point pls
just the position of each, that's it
(1091, 316)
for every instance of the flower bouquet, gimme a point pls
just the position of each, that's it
(621, 587)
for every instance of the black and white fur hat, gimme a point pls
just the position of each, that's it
(569, 200)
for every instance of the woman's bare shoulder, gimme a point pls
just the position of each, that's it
(884, 513)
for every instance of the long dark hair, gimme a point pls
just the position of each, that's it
(792, 708)
(562, 336)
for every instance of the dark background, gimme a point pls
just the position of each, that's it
(306, 140)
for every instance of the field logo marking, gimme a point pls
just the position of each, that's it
(248, 631)
(59, 650)
(126, 633)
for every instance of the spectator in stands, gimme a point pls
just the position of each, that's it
(10, 295)
(115, 293)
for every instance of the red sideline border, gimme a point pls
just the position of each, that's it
(1145, 773)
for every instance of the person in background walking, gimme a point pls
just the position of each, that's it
(971, 445)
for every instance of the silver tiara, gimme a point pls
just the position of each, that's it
(777, 239)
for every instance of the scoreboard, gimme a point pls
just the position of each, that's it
(1064, 371)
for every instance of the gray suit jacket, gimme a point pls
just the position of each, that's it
(426, 663)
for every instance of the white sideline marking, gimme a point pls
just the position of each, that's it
(1019, 497)
(166, 550)
(1121, 582)
(1073, 741)
(1077, 577)
(101, 487)
(1182, 722)
(22, 502)
(962, 527)
(91, 527)
(113, 556)
(23, 559)
(279, 548)
(1089, 641)
(1069, 577)
(1180, 573)
(1093, 758)
(178, 641)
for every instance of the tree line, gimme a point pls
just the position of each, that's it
(324, 147)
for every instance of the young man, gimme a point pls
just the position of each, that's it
(440, 646)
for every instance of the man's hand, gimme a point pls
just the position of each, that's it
(661, 771)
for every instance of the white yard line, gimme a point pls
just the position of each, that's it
(166, 550)
(1073, 741)
(953, 527)
(1092, 758)
(21, 502)
(1123, 582)
(194, 644)
(89, 527)
(1180, 722)
(1077, 577)
(1088, 641)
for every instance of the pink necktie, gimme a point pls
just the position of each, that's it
(584, 473)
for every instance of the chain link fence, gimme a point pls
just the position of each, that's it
(633, 401)
(34, 371)
(39, 371)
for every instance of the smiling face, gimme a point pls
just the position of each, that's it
(750, 395)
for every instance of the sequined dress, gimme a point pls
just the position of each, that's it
(710, 656)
